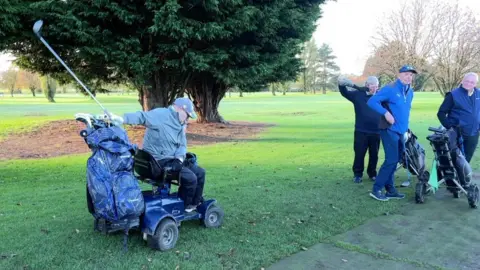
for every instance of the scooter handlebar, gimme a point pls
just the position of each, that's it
(438, 130)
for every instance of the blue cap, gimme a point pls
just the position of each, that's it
(407, 68)
(187, 105)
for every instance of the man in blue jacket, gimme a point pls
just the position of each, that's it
(461, 109)
(394, 102)
(367, 134)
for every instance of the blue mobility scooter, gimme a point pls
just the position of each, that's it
(114, 196)
(165, 210)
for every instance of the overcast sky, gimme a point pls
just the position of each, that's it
(347, 26)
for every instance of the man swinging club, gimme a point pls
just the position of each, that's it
(165, 139)
(367, 134)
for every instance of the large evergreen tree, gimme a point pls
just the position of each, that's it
(164, 47)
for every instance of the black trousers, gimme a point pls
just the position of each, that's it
(469, 145)
(361, 143)
(192, 180)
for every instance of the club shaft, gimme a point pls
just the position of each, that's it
(71, 72)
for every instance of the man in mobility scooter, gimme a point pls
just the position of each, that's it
(165, 140)
(159, 212)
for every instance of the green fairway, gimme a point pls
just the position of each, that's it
(282, 193)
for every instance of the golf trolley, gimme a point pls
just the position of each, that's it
(451, 167)
(162, 211)
(413, 158)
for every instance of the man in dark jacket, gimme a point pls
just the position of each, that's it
(397, 97)
(366, 135)
(461, 109)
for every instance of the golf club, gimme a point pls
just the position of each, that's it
(36, 29)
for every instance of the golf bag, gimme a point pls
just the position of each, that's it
(452, 164)
(414, 155)
(114, 193)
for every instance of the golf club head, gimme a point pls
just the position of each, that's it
(37, 26)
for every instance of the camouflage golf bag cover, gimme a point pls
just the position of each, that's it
(114, 190)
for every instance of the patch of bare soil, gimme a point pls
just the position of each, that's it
(62, 137)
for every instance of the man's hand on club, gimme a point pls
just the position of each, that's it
(389, 118)
(116, 120)
(345, 82)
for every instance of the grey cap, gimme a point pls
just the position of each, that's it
(187, 105)
(372, 80)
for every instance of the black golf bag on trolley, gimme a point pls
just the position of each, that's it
(114, 197)
(413, 157)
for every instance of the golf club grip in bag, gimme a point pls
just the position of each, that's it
(114, 190)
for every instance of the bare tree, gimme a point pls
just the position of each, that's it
(8, 79)
(440, 39)
(285, 86)
(33, 81)
(457, 50)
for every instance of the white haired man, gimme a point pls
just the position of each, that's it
(165, 139)
(367, 133)
(461, 109)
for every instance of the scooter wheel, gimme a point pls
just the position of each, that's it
(420, 192)
(213, 217)
(473, 196)
(165, 237)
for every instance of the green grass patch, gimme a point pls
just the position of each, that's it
(290, 189)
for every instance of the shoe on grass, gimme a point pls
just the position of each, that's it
(379, 196)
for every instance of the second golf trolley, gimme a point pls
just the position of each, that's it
(450, 167)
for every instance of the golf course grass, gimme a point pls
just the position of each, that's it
(281, 194)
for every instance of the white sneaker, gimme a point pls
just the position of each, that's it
(190, 208)
(406, 184)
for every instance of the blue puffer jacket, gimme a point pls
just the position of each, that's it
(398, 97)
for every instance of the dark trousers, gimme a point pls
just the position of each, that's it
(469, 145)
(361, 143)
(191, 185)
(192, 180)
(393, 147)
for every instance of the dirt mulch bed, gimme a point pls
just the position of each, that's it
(62, 137)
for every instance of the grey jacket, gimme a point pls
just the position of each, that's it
(164, 137)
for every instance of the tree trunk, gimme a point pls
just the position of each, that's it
(305, 81)
(161, 90)
(273, 89)
(206, 94)
(33, 91)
